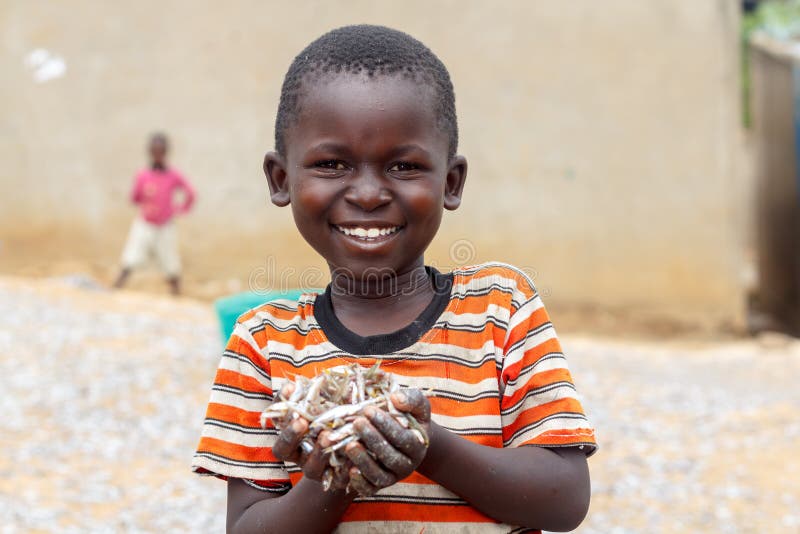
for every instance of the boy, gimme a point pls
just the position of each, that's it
(153, 232)
(365, 155)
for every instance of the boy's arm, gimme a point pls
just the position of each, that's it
(528, 486)
(305, 508)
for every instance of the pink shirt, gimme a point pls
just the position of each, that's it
(154, 191)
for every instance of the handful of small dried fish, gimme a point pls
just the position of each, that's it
(331, 401)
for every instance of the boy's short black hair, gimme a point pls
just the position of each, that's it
(374, 51)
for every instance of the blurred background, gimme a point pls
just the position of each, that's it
(641, 158)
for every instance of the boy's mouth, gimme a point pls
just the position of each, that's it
(368, 233)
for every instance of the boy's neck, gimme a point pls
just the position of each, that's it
(379, 306)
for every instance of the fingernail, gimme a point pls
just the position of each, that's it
(401, 397)
(369, 411)
(297, 425)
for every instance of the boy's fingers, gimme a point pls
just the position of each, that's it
(341, 476)
(285, 447)
(401, 438)
(374, 440)
(361, 484)
(414, 402)
(368, 467)
(315, 464)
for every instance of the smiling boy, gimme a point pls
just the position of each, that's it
(366, 140)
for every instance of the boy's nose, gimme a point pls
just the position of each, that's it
(368, 192)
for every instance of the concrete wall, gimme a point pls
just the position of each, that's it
(601, 136)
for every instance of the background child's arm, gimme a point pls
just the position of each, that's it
(136, 191)
(188, 195)
(305, 508)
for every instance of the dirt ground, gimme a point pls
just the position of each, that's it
(104, 393)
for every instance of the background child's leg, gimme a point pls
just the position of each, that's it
(166, 252)
(136, 250)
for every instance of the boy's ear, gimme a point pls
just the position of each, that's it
(277, 178)
(454, 183)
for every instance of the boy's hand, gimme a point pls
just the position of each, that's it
(289, 448)
(386, 451)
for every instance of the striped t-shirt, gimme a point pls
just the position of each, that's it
(484, 347)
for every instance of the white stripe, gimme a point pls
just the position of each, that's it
(235, 471)
(556, 393)
(238, 437)
(238, 401)
(521, 315)
(499, 313)
(257, 320)
(548, 364)
(467, 421)
(417, 490)
(516, 354)
(556, 423)
(406, 527)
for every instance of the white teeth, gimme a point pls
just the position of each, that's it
(367, 233)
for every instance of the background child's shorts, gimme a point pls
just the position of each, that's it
(147, 240)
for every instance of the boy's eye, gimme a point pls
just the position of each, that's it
(331, 164)
(403, 166)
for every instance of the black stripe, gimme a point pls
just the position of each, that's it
(444, 394)
(285, 307)
(548, 356)
(477, 431)
(244, 359)
(280, 489)
(521, 342)
(447, 325)
(334, 354)
(480, 291)
(453, 501)
(241, 428)
(292, 326)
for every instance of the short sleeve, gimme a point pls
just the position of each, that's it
(232, 443)
(539, 402)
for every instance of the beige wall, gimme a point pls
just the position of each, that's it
(601, 136)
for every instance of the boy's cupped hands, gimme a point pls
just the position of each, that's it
(385, 452)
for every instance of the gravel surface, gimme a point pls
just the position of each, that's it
(104, 393)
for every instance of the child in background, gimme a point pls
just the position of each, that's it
(365, 155)
(153, 233)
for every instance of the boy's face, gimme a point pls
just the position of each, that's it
(367, 173)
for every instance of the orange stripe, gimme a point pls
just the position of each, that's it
(440, 513)
(531, 355)
(538, 380)
(226, 377)
(232, 414)
(536, 319)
